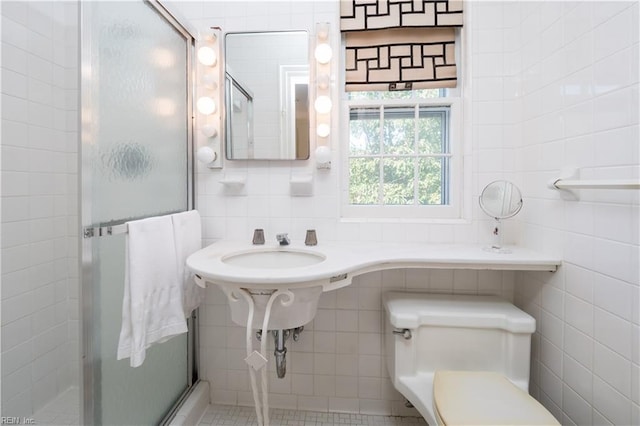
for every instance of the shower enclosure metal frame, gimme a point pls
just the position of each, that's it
(86, 262)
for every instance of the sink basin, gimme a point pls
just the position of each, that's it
(274, 258)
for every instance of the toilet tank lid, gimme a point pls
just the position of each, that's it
(410, 310)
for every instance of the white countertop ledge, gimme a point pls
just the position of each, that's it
(344, 260)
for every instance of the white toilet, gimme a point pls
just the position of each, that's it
(462, 360)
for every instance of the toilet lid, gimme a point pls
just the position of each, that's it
(484, 398)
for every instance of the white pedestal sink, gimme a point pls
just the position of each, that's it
(263, 295)
(282, 316)
(294, 308)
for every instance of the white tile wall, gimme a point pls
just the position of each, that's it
(586, 365)
(553, 84)
(39, 199)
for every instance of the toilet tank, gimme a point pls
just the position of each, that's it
(457, 332)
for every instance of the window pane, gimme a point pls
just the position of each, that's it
(364, 131)
(431, 133)
(358, 96)
(396, 153)
(400, 94)
(429, 93)
(398, 181)
(433, 176)
(399, 130)
(364, 180)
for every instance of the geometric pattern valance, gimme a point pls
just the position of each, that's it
(400, 59)
(400, 44)
(358, 15)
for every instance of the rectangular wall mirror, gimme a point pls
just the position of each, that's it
(267, 95)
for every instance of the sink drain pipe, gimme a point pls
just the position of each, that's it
(280, 338)
(280, 352)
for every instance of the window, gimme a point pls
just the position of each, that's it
(403, 158)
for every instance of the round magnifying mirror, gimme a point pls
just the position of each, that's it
(500, 199)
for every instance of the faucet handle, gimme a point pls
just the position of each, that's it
(258, 236)
(311, 238)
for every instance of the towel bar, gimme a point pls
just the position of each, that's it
(115, 227)
(569, 180)
(101, 231)
(597, 184)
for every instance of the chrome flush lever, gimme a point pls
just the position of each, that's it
(405, 332)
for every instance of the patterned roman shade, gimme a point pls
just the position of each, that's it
(400, 44)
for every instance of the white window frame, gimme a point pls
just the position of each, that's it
(459, 208)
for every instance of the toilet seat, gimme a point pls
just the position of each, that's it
(484, 398)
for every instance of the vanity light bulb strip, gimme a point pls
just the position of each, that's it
(323, 103)
(209, 97)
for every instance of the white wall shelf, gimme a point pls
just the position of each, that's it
(569, 181)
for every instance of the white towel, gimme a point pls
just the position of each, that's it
(152, 309)
(187, 232)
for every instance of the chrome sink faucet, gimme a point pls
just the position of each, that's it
(283, 239)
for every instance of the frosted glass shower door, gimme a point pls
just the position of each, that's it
(135, 153)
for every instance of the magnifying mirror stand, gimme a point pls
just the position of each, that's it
(500, 199)
(496, 243)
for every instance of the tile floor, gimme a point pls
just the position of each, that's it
(226, 415)
(65, 411)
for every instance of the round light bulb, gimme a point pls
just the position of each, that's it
(209, 81)
(323, 53)
(207, 56)
(206, 105)
(322, 30)
(206, 155)
(323, 130)
(323, 104)
(323, 81)
(209, 130)
(323, 154)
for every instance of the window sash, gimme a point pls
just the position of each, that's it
(449, 213)
(415, 112)
(385, 113)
